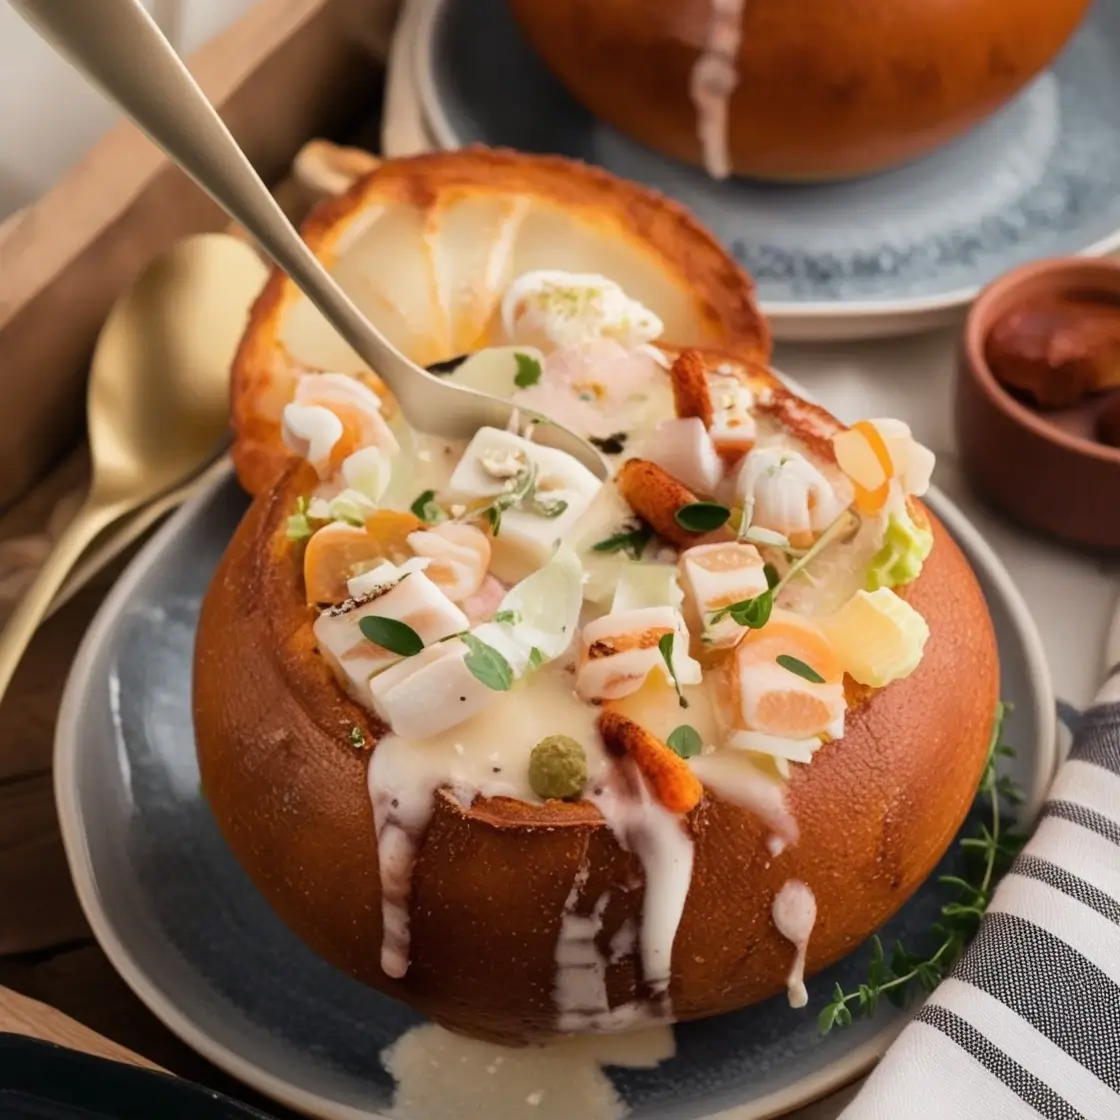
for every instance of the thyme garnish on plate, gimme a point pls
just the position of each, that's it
(993, 849)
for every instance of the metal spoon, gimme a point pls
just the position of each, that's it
(116, 44)
(158, 400)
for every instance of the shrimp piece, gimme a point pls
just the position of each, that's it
(460, 557)
(358, 409)
(782, 491)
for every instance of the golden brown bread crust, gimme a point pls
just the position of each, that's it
(264, 373)
(876, 811)
(826, 88)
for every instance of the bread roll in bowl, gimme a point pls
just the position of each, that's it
(285, 758)
(426, 245)
(796, 89)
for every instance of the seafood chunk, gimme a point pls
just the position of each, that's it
(550, 308)
(357, 407)
(459, 555)
(539, 492)
(620, 650)
(410, 598)
(733, 429)
(683, 449)
(429, 693)
(782, 491)
(715, 576)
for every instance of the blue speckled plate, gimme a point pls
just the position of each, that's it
(186, 928)
(886, 254)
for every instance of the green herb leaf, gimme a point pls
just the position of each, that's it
(487, 664)
(494, 517)
(665, 645)
(794, 665)
(512, 617)
(631, 541)
(685, 741)
(536, 659)
(544, 507)
(772, 577)
(960, 917)
(702, 517)
(427, 509)
(391, 634)
(357, 737)
(753, 613)
(528, 370)
(826, 1020)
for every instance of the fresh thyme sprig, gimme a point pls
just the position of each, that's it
(521, 493)
(995, 848)
(755, 613)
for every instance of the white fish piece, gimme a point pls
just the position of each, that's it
(459, 557)
(351, 400)
(412, 599)
(385, 574)
(618, 652)
(311, 432)
(717, 575)
(425, 695)
(435, 691)
(490, 466)
(684, 449)
(733, 431)
(783, 491)
(552, 308)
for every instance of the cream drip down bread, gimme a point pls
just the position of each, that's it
(559, 755)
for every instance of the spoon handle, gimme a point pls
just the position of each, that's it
(119, 48)
(33, 606)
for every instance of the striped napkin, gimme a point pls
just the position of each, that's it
(1028, 1024)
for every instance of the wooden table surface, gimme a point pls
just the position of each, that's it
(54, 979)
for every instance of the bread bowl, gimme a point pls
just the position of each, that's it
(671, 864)
(811, 90)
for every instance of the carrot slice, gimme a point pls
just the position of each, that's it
(655, 496)
(670, 778)
(691, 396)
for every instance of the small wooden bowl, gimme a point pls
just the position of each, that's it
(1043, 468)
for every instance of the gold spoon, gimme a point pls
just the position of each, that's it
(158, 400)
(118, 47)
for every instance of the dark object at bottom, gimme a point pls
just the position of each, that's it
(41, 1081)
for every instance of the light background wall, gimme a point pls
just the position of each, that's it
(49, 117)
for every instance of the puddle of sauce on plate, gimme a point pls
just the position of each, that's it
(445, 1076)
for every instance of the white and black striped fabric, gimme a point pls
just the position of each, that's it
(1028, 1024)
